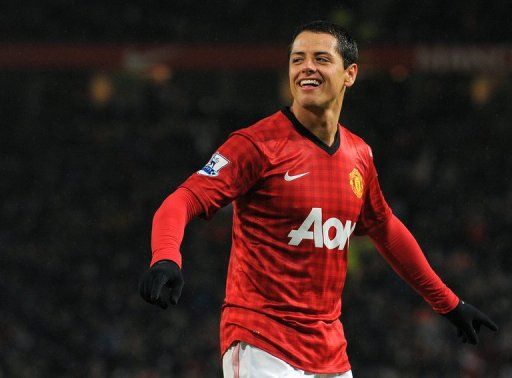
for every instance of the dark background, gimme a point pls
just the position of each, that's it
(88, 155)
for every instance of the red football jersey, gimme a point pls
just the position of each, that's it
(296, 203)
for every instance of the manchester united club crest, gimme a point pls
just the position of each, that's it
(356, 182)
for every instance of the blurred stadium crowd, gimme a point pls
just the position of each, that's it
(87, 157)
(254, 21)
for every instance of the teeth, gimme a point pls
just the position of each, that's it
(310, 82)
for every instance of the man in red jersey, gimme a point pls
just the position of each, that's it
(301, 184)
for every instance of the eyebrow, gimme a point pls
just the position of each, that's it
(316, 53)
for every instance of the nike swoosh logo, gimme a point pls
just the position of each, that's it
(287, 177)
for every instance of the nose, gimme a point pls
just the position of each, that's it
(308, 67)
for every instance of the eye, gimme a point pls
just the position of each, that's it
(322, 59)
(296, 60)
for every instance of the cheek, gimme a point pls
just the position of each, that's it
(336, 82)
(292, 74)
(292, 87)
(291, 83)
(341, 78)
(290, 77)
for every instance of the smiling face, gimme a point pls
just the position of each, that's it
(317, 76)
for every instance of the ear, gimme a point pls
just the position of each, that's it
(350, 75)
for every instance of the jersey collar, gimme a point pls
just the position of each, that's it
(331, 150)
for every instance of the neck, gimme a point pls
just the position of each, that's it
(321, 122)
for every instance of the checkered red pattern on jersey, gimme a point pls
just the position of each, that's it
(286, 299)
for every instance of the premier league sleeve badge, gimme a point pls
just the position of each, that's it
(216, 163)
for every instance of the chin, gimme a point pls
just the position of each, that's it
(312, 104)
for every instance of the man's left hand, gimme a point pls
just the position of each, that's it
(468, 320)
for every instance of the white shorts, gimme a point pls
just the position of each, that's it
(243, 360)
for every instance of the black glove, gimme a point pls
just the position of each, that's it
(151, 285)
(468, 320)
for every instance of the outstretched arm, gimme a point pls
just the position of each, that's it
(398, 246)
(169, 224)
(167, 233)
(231, 171)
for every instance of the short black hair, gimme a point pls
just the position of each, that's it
(347, 46)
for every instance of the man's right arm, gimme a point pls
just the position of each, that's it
(169, 224)
(231, 172)
(167, 233)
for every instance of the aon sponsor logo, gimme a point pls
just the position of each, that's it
(320, 232)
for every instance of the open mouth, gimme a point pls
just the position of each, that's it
(309, 83)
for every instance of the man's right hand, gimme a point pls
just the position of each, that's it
(161, 284)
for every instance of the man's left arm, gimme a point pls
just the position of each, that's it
(397, 245)
(400, 249)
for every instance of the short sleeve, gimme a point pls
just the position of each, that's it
(231, 171)
(375, 210)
